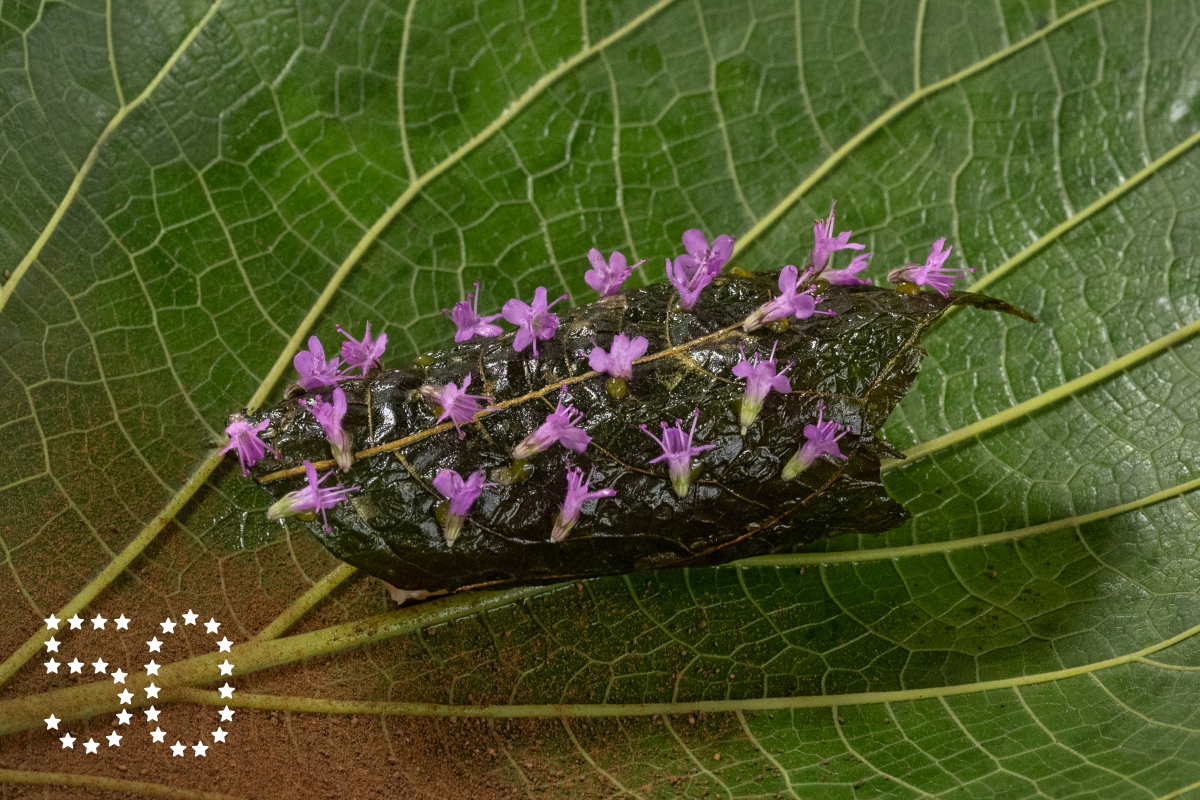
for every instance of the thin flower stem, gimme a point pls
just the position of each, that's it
(88, 700)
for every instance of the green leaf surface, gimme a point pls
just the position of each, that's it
(189, 190)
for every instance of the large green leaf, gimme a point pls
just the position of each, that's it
(190, 190)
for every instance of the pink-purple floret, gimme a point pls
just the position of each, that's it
(562, 427)
(691, 273)
(312, 497)
(618, 360)
(933, 272)
(533, 322)
(577, 494)
(606, 277)
(468, 323)
(366, 354)
(678, 450)
(761, 377)
(314, 370)
(456, 404)
(243, 437)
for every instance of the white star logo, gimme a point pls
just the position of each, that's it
(219, 735)
(168, 626)
(114, 739)
(126, 697)
(91, 745)
(100, 666)
(152, 714)
(68, 741)
(122, 623)
(76, 623)
(227, 690)
(152, 668)
(98, 623)
(123, 717)
(157, 735)
(76, 666)
(52, 622)
(227, 714)
(119, 676)
(190, 617)
(224, 645)
(52, 645)
(52, 723)
(226, 668)
(52, 666)
(211, 626)
(152, 691)
(201, 748)
(155, 645)
(177, 749)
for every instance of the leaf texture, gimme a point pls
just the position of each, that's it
(191, 189)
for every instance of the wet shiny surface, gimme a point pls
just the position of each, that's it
(858, 363)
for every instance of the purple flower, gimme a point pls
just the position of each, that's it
(366, 354)
(827, 244)
(690, 273)
(701, 258)
(314, 370)
(761, 378)
(560, 426)
(820, 438)
(577, 495)
(462, 495)
(330, 416)
(606, 277)
(618, 361)
(801, 305)
(849, 275)
(243, 437)
(689, 288)
(535, 322)
(311, 498)
(466, 316)
(931, 273)
(678, 451)
(455, 403)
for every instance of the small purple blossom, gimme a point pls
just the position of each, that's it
(561, 426)
(606, 277)
(801, 305)
(827, 244)
(849, 275)
(700, 257)
(691, 273)
(455, 403)
(462, 494)
(314, 370)
(313, 497)
(818, 439)
(761, 378)
(689, 288)
(577, 495)
(330, 416)
(618, 360)
(243, 437)
(535, 322)
(365, 355)
(678, 451)
(465, 315)
(931, 273)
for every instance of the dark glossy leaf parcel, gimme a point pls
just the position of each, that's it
(858, 363)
